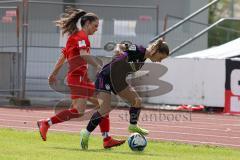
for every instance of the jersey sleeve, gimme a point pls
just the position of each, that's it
(133, 53)
(132, 47)
(82, 44)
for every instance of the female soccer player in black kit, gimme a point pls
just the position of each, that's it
(112, 78)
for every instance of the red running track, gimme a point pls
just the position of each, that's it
(193, 128)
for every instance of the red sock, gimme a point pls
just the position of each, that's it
(65, 115)
(105, 124)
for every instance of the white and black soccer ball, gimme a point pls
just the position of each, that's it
(137, 142)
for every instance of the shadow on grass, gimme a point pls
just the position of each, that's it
(144, 153)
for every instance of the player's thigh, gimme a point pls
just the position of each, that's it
(95, 101)
(79, 104)
(131, 96)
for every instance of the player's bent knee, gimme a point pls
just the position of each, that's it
(138, 103)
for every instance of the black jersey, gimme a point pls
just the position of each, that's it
(131, 61)
(113, 75)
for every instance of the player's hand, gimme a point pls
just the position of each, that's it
(119, 49)
(118, 52)
(98, 69)
(52, 79)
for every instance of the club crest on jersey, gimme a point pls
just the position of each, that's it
(107, 86)
(82, 43)
(132, 48)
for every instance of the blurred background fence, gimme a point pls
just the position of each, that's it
(30, 43)
(38, 41)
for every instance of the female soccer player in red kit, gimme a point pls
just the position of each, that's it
(77, 54)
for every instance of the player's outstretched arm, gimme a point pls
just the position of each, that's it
(89, 59)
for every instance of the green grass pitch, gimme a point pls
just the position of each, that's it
(27, 145)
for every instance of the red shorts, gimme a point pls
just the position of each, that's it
(80, 87)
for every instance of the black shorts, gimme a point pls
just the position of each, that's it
(103, 83)
(112, 79)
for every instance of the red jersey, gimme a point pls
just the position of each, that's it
(76, 42)
(78, 82)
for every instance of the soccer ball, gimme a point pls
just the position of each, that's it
(137, 142)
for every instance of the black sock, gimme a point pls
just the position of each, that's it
(134, 114)
(94, 121)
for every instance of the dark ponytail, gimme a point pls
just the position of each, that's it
(68, 21)
(159, 46)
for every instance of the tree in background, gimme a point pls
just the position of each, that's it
(227, 30)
